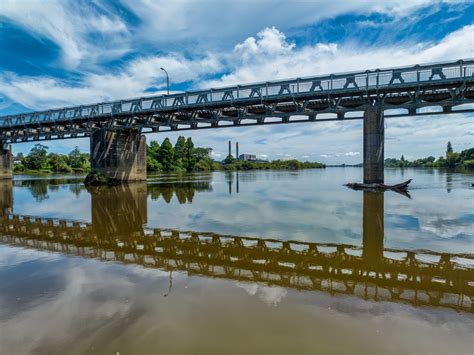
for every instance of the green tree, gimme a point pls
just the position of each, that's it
(451, 159)
(440, 163)
(166, 155)
(449, 149)
(469, 164)
(152, 164)
(202, 153)
(229, 160)
(180, 148)
(152, 157)
(205, 164)
(467, 154)
(37, 158)
(58, 163)
(190, 158)
(77, 159)
(154, 149)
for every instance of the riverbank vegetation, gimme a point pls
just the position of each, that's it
(181, 157)
(184, 156)
(230, 163)
(452, 159)
(39, 161)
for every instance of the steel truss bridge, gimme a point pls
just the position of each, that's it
(414, 90)
(417, 277)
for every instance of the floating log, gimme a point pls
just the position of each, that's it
(400, 188)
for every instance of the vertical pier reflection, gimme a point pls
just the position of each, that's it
(373, 226)
(6, 197)
(118, 233)
(120, 209)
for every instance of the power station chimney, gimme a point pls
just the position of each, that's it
(236, 150)
(230, 148)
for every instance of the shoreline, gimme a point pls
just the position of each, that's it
(154, 173)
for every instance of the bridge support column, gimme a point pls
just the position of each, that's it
(119, 155)
(6, 162)
(373, 226)
(374, 132)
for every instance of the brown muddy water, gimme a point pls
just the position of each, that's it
(270, 262)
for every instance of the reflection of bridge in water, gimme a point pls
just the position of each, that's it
(117, 233)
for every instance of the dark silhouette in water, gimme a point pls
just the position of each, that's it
(401, 188)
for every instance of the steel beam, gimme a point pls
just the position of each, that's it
(445, 85)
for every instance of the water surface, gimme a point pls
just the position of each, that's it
(270, 262)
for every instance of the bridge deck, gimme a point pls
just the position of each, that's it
(446, 84)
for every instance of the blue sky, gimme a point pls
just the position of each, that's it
(56, 53)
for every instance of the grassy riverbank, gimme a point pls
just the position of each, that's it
(40, 162)
(452, 159)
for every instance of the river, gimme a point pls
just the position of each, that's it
(265, 262)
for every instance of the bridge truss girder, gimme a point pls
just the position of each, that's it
(409, 99)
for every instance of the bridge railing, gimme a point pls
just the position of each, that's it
(276, 90)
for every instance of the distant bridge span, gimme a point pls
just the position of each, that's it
(414, 90)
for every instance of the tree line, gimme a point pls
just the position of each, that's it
(230, 163)
(181, 157)
(39, 160)
(452, 159)
(184, 156)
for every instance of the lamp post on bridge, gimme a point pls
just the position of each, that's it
(167, 80)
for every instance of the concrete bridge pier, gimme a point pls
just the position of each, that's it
(119, 154)
(6, 162)
(374, 135)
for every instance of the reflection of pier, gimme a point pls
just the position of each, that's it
(310, 266)
(117, 233)
(370, 271)
(6, 197)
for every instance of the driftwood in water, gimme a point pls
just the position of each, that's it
(401, 188)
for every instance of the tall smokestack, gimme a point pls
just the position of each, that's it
(236, 150)
(230, 148)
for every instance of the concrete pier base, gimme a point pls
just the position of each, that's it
(6, 163)
(119, 155)
(374, 132)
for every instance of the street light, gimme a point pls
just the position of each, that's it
(167, 80)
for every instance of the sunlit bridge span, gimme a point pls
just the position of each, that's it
(445, 85)
(116, 128)
(421, 278)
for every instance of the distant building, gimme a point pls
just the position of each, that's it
(248, 157)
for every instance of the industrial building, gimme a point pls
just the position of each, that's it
(245, 157)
